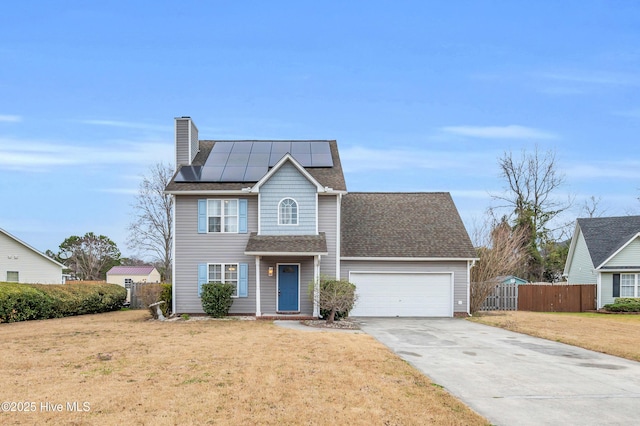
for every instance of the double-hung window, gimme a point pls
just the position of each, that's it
(629, 285)
(222, 215)
(224, 273)
(13, 276)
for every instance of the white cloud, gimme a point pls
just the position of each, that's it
(18, 154)
(594, 77)
(614, 169)
(10, 118)
(499, 132)
(127, 125)
(361, 159)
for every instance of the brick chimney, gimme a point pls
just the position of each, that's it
(186, 141)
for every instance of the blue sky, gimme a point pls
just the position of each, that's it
(421, 96)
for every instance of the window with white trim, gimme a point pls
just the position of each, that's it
(13, 276)
(224, 273)
(222, 215)
(288, 212)
(629, 284)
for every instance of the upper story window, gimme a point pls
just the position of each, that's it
(222, 215)
(288, 212)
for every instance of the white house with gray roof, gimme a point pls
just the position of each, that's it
(606, 251)
(272, 217)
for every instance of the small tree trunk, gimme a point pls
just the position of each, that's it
(331, 316)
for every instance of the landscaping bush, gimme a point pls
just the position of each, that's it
(624, 304)
(336, 298)
(167, 296)
(216, 299)
(21, 302)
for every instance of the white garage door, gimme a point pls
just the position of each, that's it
(402, 295)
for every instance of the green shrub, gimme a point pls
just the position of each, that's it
(21, 302)
(336, 298)
(624, 304)
(216, 299)
(167, 296)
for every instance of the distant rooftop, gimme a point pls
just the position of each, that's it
(131, 270)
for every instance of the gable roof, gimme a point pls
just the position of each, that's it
(131, 270)
(403, 225)
(31, 248)
(604, 236)
(331, 177)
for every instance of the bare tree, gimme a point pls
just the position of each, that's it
(591, 207)
(531, 182)
(151, 231)
(502, 253)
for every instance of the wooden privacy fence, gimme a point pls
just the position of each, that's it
(557, 298)
(141, 295)
(504, 297)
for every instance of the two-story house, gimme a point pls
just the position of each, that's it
(272, 217)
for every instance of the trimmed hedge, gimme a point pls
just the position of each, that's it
(624, 304)
(23, 302)
(216, 299)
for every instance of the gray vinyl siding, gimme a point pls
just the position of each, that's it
(182, 142)
(459, 270)
(192, 249)
(268, 288)
(32, 267)
(288, 182)
(328, 223)
(581, 267)
(628, 256)
(606, 289)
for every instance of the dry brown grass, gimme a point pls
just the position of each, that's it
(135, 371)
(611, 334)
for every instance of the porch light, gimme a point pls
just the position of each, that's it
(270, 271)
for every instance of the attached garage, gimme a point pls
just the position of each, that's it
(411, 294)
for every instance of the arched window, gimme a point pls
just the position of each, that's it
(288, 212)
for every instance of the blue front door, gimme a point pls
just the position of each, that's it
(288, 288)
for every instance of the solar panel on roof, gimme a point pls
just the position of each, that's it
(248, 161)
(254, 174)
(238, 159)
(211, 174)
(188, 174)
(233, 174)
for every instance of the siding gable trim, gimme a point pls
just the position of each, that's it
(31, 248)
(410, 259)
(279, 164)
(632, 239)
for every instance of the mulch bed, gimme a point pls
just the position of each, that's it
(345, 324)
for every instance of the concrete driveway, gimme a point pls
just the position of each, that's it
(514, 379)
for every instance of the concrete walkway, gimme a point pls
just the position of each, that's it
(515, 379)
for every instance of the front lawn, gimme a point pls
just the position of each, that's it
(612, 334)
(121, 368)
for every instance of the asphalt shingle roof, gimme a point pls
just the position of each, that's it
(287, 243)
(605, 235)
(422, 224)
(331, 177)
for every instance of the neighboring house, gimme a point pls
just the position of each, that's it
(21, 263)
(606, 251)
(127, 275)
(272, 217)
(511, 279)
(133, 274)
